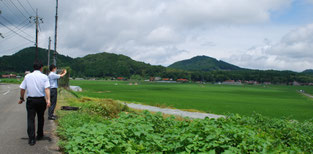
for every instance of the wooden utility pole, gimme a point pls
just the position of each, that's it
(37, 24)
(55, 33)
(49, 46)
(1, 33)
(36, 20)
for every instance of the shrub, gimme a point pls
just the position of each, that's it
(152, 133)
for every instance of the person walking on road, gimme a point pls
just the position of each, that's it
(53, 78)
(38, 99)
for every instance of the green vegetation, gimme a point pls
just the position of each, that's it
(109, 65)
(23, 60)
(203, 63)
(11, 81)
(103, 126)
(272, 101)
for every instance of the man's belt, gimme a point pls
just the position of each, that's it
(36, 97)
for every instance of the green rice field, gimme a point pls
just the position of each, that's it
(273, 101)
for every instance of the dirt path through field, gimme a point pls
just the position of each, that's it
(306, 94)
(177, 112)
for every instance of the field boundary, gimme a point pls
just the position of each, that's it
(195, 115)
(306, 94)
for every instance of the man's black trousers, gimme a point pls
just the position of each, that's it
(35, 106)
(53, 99)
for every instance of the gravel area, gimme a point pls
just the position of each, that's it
(181, 113)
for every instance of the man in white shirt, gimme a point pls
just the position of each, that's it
(53, 78)
(38, 98)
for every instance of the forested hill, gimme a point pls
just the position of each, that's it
(112, 65)
(308, 71)
(24, 59)
(93, 65)
(109, 65)
(203, 63)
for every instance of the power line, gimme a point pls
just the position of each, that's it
(31, 6)
(15, 26)
(7, 5)
(16, 32)
(18, 9)
(10, 34)
(22, 24)
(24, 7)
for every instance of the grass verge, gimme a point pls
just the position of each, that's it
(106, 126)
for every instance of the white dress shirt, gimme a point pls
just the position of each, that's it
(53, 78)
(35, 84)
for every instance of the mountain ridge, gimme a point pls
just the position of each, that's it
(203, 63)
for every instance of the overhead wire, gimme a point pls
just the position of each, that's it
(7, 5)
(24, 7)
(31, 6)
(18, 9)
(16, 32)
(10, 33)
(15, 26)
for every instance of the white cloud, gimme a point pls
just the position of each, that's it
(160, 31)
(294, 51)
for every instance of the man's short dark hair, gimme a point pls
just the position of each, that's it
(52, 67)
(37, 65)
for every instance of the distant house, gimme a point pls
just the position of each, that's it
(182, 80)
(166, 79)
(251, 82)
(295, 83)
(267, 83)
(231, 82)
(155, 78)
(120, 78)
(9, 76)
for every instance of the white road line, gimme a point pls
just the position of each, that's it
(6, 92)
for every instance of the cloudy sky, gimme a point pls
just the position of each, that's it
(257, 34)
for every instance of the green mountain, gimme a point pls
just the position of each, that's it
(93, 65)
(308, 71)
(109, 64)
(203, 63)
(24, 59)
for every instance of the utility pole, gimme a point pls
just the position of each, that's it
(36, 20)
(55, 33)
(1, 33)
(49, 46)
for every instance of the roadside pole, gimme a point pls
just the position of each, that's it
(49, 46)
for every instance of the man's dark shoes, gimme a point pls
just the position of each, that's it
(39, 138)
(51, 118)
(32, 142)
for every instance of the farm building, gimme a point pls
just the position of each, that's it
(251, 82)
(182, 80)
(155, 78)
(9, 76)
(295, 83)
(231, 82)
(121, 78)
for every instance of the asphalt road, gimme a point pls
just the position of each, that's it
(13, 124)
